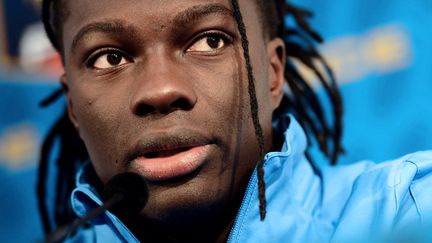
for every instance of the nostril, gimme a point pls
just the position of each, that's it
(181, 104)
(147, 108)
(144, 109)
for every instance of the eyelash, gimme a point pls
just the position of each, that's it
(228, 39)
(90, 61)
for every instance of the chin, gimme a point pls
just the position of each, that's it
(188, 203)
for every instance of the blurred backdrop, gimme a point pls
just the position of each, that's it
(380, 51)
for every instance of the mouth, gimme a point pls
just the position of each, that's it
(165, 153)
(168, 158)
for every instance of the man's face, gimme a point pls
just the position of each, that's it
(160, 88)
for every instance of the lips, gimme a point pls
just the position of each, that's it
(166, 156)
(165, 153)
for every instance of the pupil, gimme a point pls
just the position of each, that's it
(114, 58)
(213, 42)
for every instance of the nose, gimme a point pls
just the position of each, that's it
(161, 87)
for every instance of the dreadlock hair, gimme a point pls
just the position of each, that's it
(302, 100)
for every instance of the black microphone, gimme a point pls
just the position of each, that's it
(125, 193)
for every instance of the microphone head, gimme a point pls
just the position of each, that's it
(134, 189)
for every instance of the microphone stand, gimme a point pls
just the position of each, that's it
(61, 233)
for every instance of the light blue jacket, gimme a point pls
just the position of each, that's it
(356, 203)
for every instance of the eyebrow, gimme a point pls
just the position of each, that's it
(108, 26)
(198, 12)
(118, 26)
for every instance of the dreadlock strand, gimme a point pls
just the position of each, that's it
(300, 16)
(42, 174)
(306, 59)
(72, 153)
(336, 100)
(305, 93)
(330, 86)
(254, 107)
(69, 154)
(60, 191)
(46, 19)
(310, 97)
(55, 95)
(46, 151)
(299, 104)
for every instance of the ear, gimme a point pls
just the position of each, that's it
(276, 69)
(70, 108)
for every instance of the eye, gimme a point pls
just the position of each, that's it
(210, 42)
(107, 58)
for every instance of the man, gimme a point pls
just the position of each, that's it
(188, 95)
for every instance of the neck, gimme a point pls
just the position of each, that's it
(205, 225)
(215, 230)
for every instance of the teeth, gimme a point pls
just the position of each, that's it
(165, 153)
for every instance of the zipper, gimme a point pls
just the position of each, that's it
(251, 188)
(245, 203)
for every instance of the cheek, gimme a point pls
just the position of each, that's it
(238, 121)
(98, 119)
(221, 88)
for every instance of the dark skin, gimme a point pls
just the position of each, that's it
(171, 73)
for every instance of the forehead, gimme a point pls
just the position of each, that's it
(151, 16)
(88, 9)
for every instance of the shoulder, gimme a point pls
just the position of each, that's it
(406, 171)
(386, 196)
(403, 175)
(402, 172)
